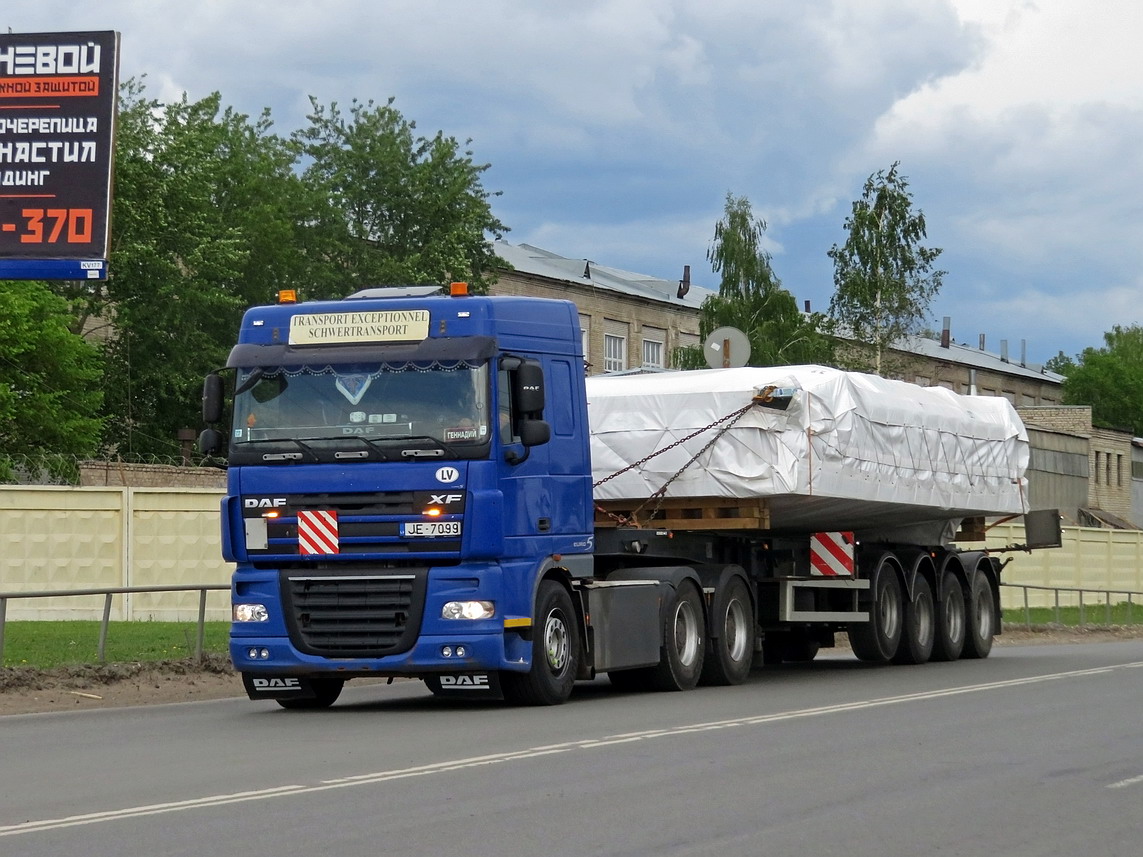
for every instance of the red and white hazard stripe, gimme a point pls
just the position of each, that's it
(317, 533)
(831, 554)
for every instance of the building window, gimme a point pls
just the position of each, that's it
(614, 353)
(652, 354)
(922, 380)
(1098, 469)
(585, 336)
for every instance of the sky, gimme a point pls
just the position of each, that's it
(614, 129)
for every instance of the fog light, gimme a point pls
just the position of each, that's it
(468, 610)
(461, 651)
(446, 651)
(250, 613)
(252, 654)
(264, 654)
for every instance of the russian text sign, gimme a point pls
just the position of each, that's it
(58, 96)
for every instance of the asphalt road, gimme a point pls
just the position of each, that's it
(1036, 751)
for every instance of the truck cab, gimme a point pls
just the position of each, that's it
(403, 468)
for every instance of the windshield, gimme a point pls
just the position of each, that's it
(448, 404)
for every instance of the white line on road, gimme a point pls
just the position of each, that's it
(1122, 784)
(547, 750)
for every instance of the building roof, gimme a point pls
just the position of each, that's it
(588, 274)
(975, 358)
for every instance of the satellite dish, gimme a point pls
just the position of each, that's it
(726, 348)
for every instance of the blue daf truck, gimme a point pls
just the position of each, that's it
(410, 494)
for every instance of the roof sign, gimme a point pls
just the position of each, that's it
(326, 328)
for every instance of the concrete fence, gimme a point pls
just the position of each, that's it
(93, 538)
(110, 538)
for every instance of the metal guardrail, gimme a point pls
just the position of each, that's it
(1129, 597)
(108, 594)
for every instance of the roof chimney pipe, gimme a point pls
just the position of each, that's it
(807, 307)
(684, 283)
(1024, 353)
(982, 342)
(946, 332)
(1004, 350)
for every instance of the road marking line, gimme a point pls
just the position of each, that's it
(547, 750)
(1122, 784)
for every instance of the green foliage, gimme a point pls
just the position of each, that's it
(884, 278)
(403, 208)
(1109, 379)
(49, 377)
(751, 298)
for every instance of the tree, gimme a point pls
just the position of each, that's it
(402, 208)
(49, 377)
(884, 278)
(206, 215)
(1109, 379)
(751, 298)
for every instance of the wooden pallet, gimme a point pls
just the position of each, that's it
(686, 513)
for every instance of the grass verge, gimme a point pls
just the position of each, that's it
(1123, 613)
(45, 645)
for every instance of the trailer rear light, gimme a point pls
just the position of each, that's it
(250, 613)
(468, 610)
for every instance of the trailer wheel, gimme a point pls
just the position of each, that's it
(919, 631)
(326, 692)
(684, 642)
(555, 652)
(877, 640)
(981, 615)
(949, 641)
(730, 654)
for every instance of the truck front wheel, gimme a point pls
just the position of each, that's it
(326, 692)
(555, 652)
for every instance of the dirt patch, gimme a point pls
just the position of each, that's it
(73, 688)
(82, 686)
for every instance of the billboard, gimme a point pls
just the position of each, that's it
(58, 97)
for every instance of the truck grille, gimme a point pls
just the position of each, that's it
(370, 614)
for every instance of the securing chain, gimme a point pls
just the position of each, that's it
(727, 422)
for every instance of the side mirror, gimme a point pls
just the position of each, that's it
(210, 441)
(528, 384)
(535, 432)
(212, 398)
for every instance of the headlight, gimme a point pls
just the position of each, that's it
(250, 613)
(468, 610)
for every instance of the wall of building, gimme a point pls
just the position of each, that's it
(604, 313)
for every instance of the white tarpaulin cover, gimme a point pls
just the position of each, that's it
(852, 451)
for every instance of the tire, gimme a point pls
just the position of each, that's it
(730, 654)
(876, 641)
(684, 642)
(948, 643)
(326, 692)
(636, 680)
(981, 623)
(919, 630)
(555, 652)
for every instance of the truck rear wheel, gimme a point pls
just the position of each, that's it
(730, 654)
(684, 641)
(919, 631)
(555, 652)
(949, 641)
(877, 640)
(981, 623)
(326, 692)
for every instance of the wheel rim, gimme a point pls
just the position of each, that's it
(925, 621)
(982, 615)
(557, 644)
(889, 610)
(734, 633)
(686, 633)
(954, 616)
